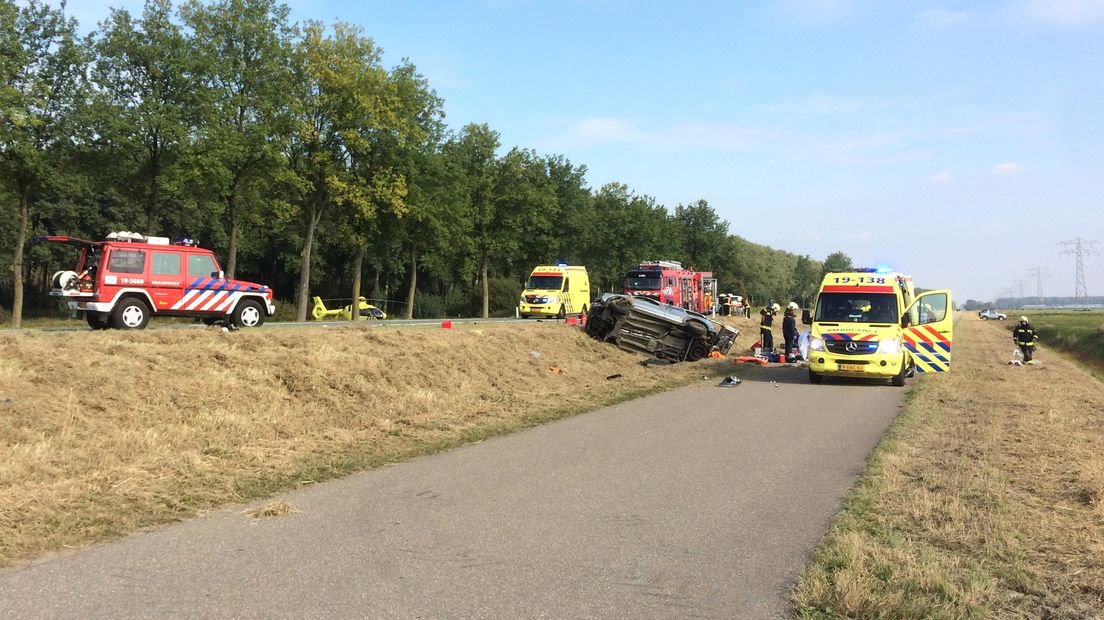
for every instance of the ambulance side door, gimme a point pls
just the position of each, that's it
(928, 331)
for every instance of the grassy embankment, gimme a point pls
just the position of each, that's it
(103, 433)
(1078, 333)
(985, 500)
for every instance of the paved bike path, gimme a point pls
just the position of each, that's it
(700, 502)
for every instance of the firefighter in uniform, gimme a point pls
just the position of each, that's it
(766, 320)
(789, 330)
(1025, 337)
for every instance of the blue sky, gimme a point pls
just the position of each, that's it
(959, 142)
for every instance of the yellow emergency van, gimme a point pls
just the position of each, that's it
(555, 290)
(871, 324)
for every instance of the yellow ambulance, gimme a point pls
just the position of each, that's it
(870, 323)
(555, 290)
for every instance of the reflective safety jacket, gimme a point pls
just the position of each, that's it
(1025, 334)
(766, 320)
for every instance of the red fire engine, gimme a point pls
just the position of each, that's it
(670, 283)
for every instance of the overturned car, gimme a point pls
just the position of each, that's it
(647, 326)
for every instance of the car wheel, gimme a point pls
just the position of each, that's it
(698, 350)
(96, 320)
(130, 314)
(1001, 318)
(815, 378)
(984, 318)
(697, 328)
(248, 314)
(620, 309)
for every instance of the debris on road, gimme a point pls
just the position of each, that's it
(730, 381)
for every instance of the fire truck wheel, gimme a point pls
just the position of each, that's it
(96, 320)
(562, 314)
(248, 314)
(815, 378)
(130, 314)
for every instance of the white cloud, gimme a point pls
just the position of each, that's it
(939, 19)
(942, 177)
(595, 131)
(1006, 169)
(814, 12)
(605, 131)
(817, 103)
(1068, 13)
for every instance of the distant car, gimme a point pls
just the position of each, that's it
(645, 325)
(988, 313)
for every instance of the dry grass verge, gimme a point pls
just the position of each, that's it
(103, 433)
(986, 499)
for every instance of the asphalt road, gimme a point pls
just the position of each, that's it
(700, 502)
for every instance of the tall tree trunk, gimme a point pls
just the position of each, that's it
(153, 196)
(232, 250)
(413, 281)
(17, 259)
(486, 288)
(313, 215)
(358, 261)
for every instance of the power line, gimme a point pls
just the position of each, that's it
(1038, 273)
(1079, 291)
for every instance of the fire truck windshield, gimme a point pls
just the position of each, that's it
(857, 308)
(642, 281)
(544, 283)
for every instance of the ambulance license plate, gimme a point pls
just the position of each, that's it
(852, 367)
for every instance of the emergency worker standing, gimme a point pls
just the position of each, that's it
(766, 321)
(789, 330)
(1025, 337)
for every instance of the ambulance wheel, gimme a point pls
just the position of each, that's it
(130, 314)
(248, 314)
(815, 378)
(562, 314)
(899, 379)
(96, 320)
(524, 316)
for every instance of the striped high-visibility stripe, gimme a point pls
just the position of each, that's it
(930, 349)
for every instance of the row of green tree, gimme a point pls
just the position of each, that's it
(306, 164)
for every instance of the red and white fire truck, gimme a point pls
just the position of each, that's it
(670, 283)
(123, 281)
